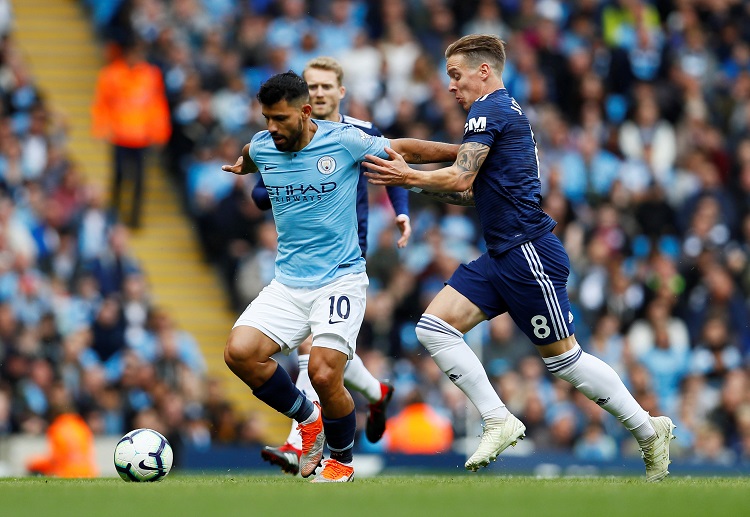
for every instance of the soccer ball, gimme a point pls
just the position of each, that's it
(143, 455)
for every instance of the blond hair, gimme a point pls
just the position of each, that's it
(478, 49)
(326, 63)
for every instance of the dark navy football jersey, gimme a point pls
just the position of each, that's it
(507, 190)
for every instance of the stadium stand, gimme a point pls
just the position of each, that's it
(641, 110)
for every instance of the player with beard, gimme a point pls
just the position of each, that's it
(324, 77)
(311, 171)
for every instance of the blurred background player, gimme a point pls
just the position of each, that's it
(324, 77)
(525, 270)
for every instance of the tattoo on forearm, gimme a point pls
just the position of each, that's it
(471, 156)
(415, 158)
(465, 198)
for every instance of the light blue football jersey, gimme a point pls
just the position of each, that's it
(313, 196)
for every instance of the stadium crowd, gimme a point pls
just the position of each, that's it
(641, 112)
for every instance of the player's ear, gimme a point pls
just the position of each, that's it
(306, 110)
(342, 92)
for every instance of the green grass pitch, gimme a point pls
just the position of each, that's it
(386, 496)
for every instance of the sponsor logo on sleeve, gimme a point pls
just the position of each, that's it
(476, 124)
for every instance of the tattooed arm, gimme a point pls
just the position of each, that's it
(458, 177)
(465, 198)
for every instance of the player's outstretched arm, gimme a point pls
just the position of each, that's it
(243, 165)
(458, 177)
(424, 151)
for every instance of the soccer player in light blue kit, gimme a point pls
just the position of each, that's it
(324, 78)
(311, 170)
(525, 269)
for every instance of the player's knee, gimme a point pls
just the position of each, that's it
(324, 378)
(431, 335)
(239, 352)
(233, 353)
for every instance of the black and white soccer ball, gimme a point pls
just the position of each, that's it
(143, 455)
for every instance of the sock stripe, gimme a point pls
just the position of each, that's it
(562, 357)
(438, 321)
(556, 366)
(434, 329)
(333, 449)
(430, 322)
(295, 407)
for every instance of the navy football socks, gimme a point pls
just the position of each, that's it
(340, 436)
(280, 393)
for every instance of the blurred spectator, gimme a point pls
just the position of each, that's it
(112, 267)
(71, 443)
(418, 429)
(715, 355)
(595, 445)
(641, 112)
(130, 111)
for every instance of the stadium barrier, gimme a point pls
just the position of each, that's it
(239, 459)
(236, 460)
(15, 450)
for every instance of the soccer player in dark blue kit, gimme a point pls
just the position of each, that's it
(525, 269)
(324, 77)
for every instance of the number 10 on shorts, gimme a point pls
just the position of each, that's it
(339, 311)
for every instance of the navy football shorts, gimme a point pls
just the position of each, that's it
(528, 282)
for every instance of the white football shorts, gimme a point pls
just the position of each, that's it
(333, 313)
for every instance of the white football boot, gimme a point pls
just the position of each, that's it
(495, 439)
(655, 454)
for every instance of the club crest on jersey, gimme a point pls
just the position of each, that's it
(476, 124)
(326, 165)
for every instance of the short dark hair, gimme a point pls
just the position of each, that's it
(288, 87)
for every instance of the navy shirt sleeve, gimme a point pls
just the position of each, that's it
(399, 199)
(482, 124)
(260, 195)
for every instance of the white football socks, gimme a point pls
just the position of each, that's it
(459, 362)
(359, 378)
(356, 377)
(600, 383)
(303, 379)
